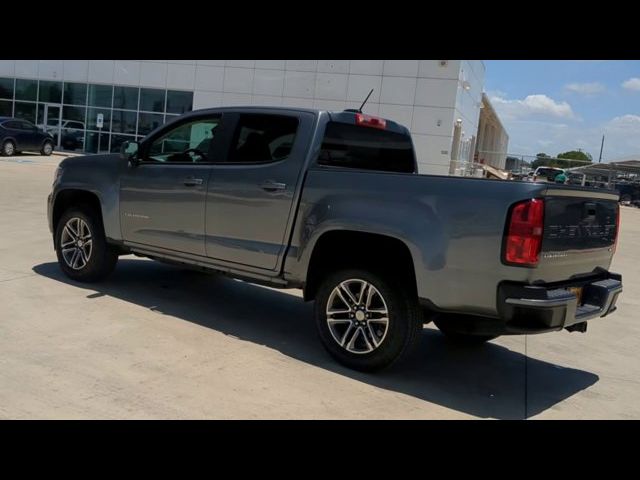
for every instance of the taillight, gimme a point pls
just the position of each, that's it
(369, 121)
(524, 233)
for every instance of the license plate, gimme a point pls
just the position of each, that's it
(577, 291)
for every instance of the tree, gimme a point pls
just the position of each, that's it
(582, 158)
(570, 159)
(542, 160)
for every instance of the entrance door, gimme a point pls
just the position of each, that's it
(52, 122)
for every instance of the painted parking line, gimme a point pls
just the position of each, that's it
(16, 160)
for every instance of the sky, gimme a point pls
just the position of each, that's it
(553, 106)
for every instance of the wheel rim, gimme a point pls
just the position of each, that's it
(48, 148)
(8, 148)
(357, 316)
(76, 243)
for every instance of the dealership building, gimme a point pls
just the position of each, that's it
(95, 105)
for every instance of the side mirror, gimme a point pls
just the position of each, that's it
(129, 151)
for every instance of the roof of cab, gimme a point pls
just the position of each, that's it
(335, 115)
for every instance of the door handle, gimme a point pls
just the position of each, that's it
(271, 186)
(192, 182)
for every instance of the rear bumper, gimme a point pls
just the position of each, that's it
(539, 308)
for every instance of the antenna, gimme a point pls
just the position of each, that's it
(365, 101)
(601, 147)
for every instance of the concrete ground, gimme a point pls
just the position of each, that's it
(155, 341)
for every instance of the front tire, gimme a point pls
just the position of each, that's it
(47, 148)
(366, 321)
(81, 246)
(8, 148)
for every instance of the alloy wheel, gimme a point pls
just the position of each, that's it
(357, 316)
(76, 243)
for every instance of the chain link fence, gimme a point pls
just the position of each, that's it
(622, 177)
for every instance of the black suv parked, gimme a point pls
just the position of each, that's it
(17, 135)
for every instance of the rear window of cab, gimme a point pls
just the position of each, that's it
(364, 148)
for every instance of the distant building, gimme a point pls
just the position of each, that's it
(493, 140)
(101, 103)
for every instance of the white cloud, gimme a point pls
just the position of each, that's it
(496, 93)
(624, 125)
(622, 137)
(632, 84)
(590, 88)
(531, 105)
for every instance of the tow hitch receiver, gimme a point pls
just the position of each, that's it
(577, 327)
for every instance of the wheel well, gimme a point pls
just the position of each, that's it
(70, 198)
(348, 249)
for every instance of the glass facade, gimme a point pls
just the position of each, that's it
(128, 113)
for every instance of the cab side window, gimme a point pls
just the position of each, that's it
(188, 142)
(262, 138)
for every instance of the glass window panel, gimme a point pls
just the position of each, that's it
(26, 111)
(6, 88)
(40, 115)
(125, 98)
(187, 142)
(179, 102)
(96, 142)
(117, 140)
(149, 121)
(50, 92)
(92, 119)
(6, 108)
(77, 114)
(26, 89)
(263, 138)
(152, 99)
(72, 135)
(123, 122)
(53, 118)
(75, 93)
(363, 148)
(100, 95)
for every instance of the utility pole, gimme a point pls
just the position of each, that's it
(601, 147)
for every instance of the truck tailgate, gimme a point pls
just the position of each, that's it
(580, 230)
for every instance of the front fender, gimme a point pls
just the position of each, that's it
(99, 175)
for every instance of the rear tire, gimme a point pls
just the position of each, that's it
(47, 148)
(82, 249)
(461, 338)
(8, 148)
(625, 199)
(355, 334)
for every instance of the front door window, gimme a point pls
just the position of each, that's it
(189, 142)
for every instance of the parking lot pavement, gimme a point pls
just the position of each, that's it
(155, 341)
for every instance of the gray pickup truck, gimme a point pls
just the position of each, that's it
(330, 202)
